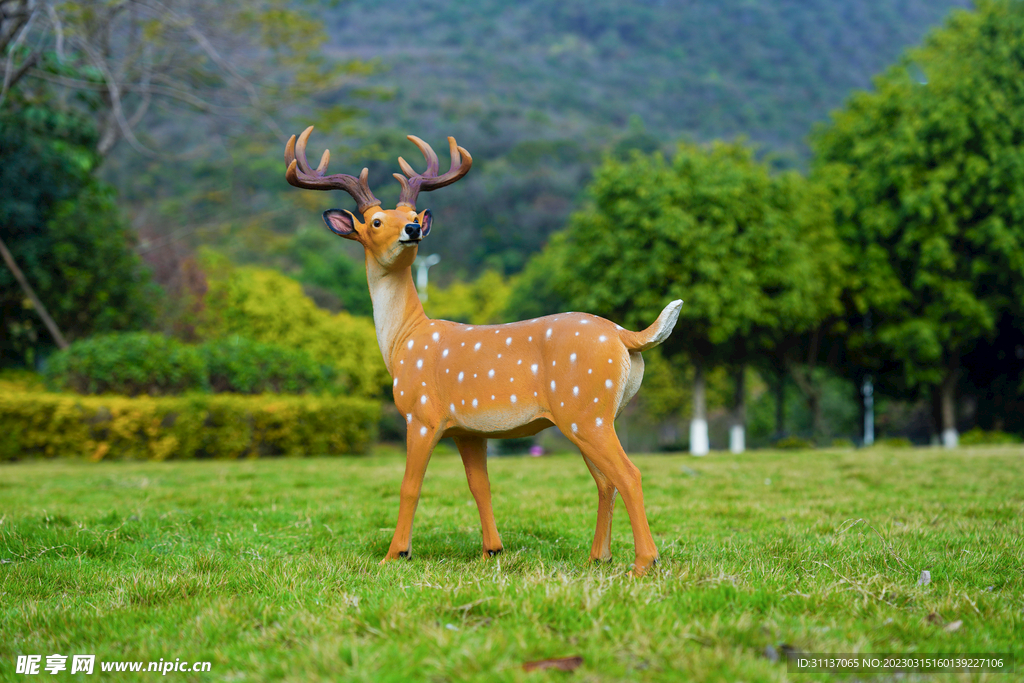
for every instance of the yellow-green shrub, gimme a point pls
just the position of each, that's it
(45, 424)
(269, 307)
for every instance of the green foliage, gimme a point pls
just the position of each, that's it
(981, 437)
(749, 253)
(192, 426)
(65, 232)
(266, 306)
(929, 173)
(793, 443)
(328, 274)
(130, 364)
(481, 302)
(894, 442)
(243, 366)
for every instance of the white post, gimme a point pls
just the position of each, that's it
(869, 411)
(950, 438)
(737, 439)
(699, 437)
(423, 264)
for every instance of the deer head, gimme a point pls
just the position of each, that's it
(389, 236)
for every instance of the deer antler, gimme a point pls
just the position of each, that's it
(413, 182)
(301, 175)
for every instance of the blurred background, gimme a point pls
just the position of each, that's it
(834, 188)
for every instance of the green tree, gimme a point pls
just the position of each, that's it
(66, 235)
(752, 255)
(932, 199)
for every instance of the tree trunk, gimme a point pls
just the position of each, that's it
(36, 303)
(780, 401)
(699, 424)
(737, 430)
(947, 407)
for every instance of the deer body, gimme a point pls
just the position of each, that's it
(474, 382)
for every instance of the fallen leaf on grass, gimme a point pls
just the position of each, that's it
(561, 663)
(953, 626)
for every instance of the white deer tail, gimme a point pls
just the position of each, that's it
(656, 333)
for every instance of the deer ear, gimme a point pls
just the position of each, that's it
(425, 220)
(341, 222)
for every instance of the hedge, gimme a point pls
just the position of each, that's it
(42, 424)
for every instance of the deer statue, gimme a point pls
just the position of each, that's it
(474, 382)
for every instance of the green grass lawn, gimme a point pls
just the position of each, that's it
(269, 568)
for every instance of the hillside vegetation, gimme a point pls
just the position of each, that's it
(538, 92)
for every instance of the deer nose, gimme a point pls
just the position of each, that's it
(412, 230)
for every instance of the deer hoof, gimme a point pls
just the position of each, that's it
(405, 554)
(640, 567)
(497, 551)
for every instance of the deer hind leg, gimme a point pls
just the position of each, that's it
(473, 450)
(602, 547)
(600, 445)
(420, 443)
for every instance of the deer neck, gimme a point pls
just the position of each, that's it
(397, 310)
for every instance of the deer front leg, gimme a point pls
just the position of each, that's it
(473, 450)
(420, 441)
(602, 547)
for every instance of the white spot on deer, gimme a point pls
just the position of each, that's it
(572, 357)
(608, 383)
(409, 345)
(476, 347)
(401, 362)
(609, 360)
(474, 403)
(602, 338)
(535, 393)
(492, 397)
(490, 373)
(584, 321)
(499, 355)
(463, 343)
(590, 371)
(511, 379)
(474, 375)
(547, 335)
(600, 422)
(574, 428)
(444, 354)
(563, 404)
(508, 341)
(395, 384)
(618, 327)
(552, 385)
(534, 368)
(426, 346)
(451, 407)
(575, 391)
(447, 370)
(463, 401)
(461, 375)
(423, 399)
(419, 363)
(423, 383)
(468, 329)
(512, 398)
(401, 393)
(408, 418)
(423, 431)
(520, 362)
(595, 400)
(435, 336)
(552, 363)
(577, 334)
(529, 339)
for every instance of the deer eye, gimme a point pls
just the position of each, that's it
(376, 223)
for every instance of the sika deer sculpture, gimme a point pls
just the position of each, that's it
(474, 382)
